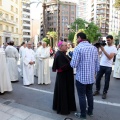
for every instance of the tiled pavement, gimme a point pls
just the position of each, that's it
(10, 113)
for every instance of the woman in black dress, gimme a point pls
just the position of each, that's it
(64, 98)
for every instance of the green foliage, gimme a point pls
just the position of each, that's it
(117, 4)
(80, 24)
(52, 34)
(46, 40)
(71, 36)
(92, 32)
(90, 29)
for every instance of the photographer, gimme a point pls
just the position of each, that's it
(107, 54)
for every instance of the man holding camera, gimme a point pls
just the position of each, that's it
(107, 54)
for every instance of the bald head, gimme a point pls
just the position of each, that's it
(44, 44)
(63, 47)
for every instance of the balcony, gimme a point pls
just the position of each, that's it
(28, 19)
(25, 13)
(8, 21)
(23, 6)
(24, 24)
(26, 30)
(26, 36)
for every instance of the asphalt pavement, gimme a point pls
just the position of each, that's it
(38, 99)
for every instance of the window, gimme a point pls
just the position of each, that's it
(6, 15)
(0, 26)
(16, 1)
(12, 29)
(16, 30)
(0, 2)
(16, 10)
(17, 20)
(7, 28)
(11, 8)
(72, 7)
(12, 18)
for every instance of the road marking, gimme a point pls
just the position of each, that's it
(107, 103)
(96, 101)
(39, 90)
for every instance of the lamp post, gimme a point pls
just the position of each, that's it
(58, 19)
(63, 24)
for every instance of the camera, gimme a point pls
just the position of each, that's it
(100, 43)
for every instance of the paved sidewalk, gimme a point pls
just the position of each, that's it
(11, 113)
(10, 110)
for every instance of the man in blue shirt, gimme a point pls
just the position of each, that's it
(85, 60)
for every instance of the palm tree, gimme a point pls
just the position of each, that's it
(52, 36)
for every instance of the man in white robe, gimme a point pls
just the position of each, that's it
(116, 73)
(12, 57)
(28, 65)
(5, 83)
(44, 70)
(22, 48)
(36, 59)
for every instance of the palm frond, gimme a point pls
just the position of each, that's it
(38, 4)
(32, 3)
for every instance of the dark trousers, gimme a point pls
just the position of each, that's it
(107, 71)
(83, 92)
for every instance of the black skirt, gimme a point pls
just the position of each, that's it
(64, 97)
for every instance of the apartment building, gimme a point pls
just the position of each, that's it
(105, 16)
(26, 20)
(114, 19)
(81, 9)
(67, 15)
(10, 21)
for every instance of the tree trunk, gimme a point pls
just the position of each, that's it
(44, 24)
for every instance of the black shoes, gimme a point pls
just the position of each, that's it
(104, 95)
(96, 93)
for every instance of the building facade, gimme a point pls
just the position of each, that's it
(67, 15)
(105, 16)
(26, 21)
(10, 21)
(81, 9)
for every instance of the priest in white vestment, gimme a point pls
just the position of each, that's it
(44, 70)
(39, 45)
(22, 48)
(5, 83)
(28, 65)
(12, 57)
(116, 73)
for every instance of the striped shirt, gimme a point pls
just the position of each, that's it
(86, 61)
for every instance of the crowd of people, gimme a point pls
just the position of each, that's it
(83, 60)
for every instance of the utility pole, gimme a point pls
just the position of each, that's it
(105, 16)
(63, 24)
(58, 19)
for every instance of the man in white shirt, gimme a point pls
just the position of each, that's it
(107, 54)
(44, 70)
(28, 65)
(22, 48)
(12, 57)
(37, 58)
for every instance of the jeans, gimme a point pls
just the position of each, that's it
(107, 71)
(85, 90)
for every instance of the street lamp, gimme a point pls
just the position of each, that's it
(63, 24)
